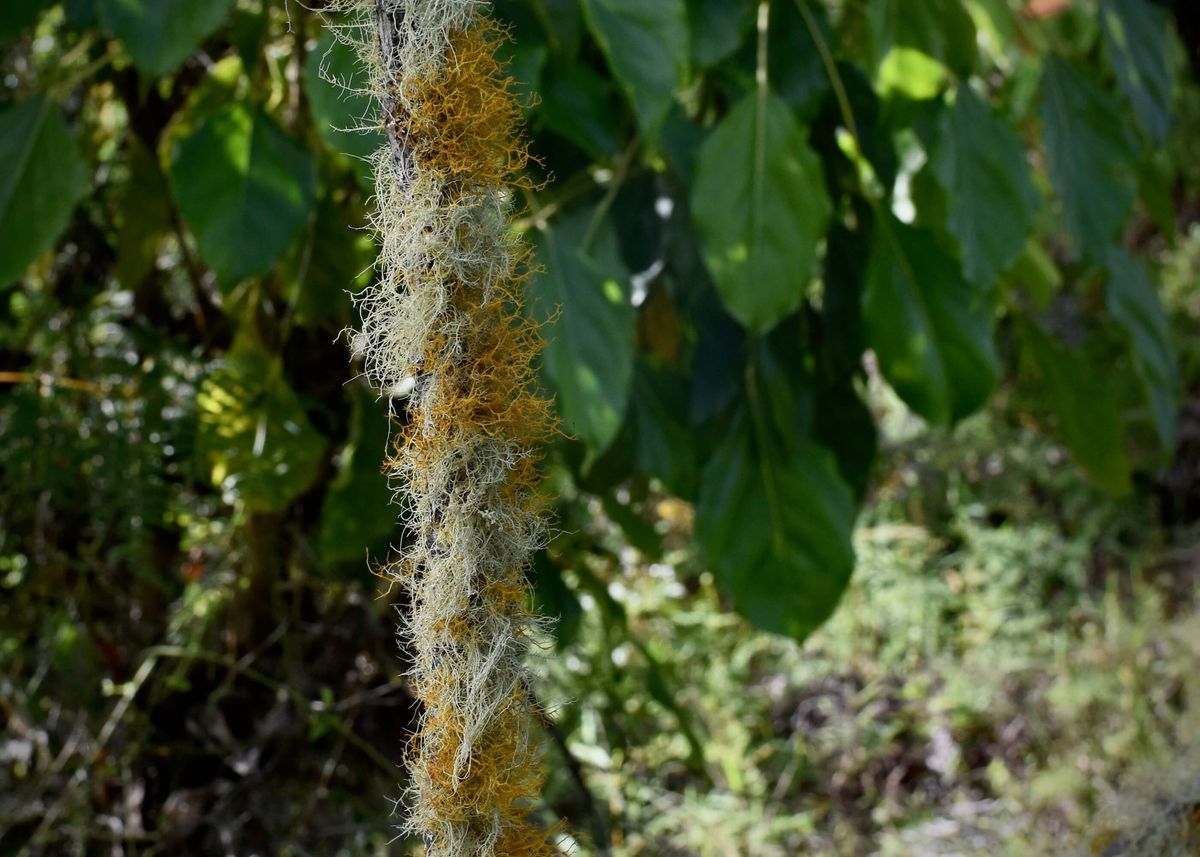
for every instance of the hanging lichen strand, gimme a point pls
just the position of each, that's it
(443, 327)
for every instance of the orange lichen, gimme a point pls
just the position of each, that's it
(445, 324)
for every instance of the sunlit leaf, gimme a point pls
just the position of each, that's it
(584, 293)
(760, 208)
(253, 434)
(245, 189)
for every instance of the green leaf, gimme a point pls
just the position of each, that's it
(358, 514)
(776, 531)
(718, 28)
(1084, 400)
(555, 600)
(342, 110)
(336, 263)
(647, 48)
(579, 104)
(981, 163)
(916, 41)
(930, 329)
(16, 15)
(1133, 303)
(1137, 34)
(161, 34)
(245, 189)
(583, 295)
(794, 64)
(146, 207)
(253, 433)
(760, 207)
(43, 178)
(1090, 153)
(663, 445)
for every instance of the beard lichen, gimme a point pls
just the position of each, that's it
(443, 327)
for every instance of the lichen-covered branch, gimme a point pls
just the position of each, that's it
(443, 326)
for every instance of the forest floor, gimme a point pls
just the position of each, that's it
(1014, 651)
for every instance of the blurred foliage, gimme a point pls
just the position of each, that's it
(771, 234)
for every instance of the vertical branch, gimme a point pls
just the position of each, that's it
(388, 19)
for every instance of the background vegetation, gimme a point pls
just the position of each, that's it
(899, 287)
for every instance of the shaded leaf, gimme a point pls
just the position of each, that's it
(663, 444)
(16, 15)
(760, 207)
(579, 104)
(1137, 34)
(588, 359)
(555, 600)
(718, 28)
(1133, 303)
(161, 34)
(43, 178)
(343, 112)
(931, 330)
(647, 49)
(981, 163)
(776, 531)
(357, 513)
(1090, 154)
(245, 190)
(1084, 401)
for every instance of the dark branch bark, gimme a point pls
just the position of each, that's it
(388, 16)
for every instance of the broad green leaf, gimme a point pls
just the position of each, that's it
(245, 189)
(160, 34)
(930, 329)
(334, 264)
(1137, 34)
(776, 531)
(357, 514)
(981, 163)
(555, 600)
(647, 49)
(253, 433)
(1084, 400)
(16, 15)
(1090, 153)
(583, 294)
(579, 104)
(661, 442)
(760, 208)
(43, 177)
(343, 112)
(1133, 303)
(916, 41)
(718, 28)
(794, 64)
